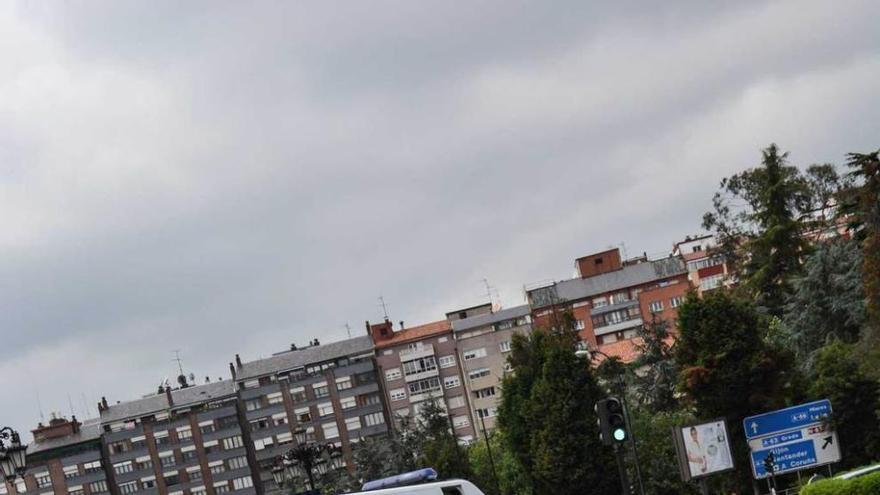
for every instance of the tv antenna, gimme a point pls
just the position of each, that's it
(384, 306)
(347, 329)
(178, 360)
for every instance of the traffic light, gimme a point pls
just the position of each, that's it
(770, 463)
(612, 421)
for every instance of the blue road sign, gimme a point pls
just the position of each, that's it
(791, 457)
(783, 420)
(774, 440)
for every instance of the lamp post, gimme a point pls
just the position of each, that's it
(13, 454)
(583, 350)
(304, 460)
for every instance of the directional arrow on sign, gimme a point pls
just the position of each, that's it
(828, 441)
(754, 427)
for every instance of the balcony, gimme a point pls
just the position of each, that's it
(620, 326)
(414, 377)
(422, 350)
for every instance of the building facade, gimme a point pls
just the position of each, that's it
(185, 441)
(332, 392)
(705, 266)
(65, 458)
(421, 363)
(484, 342)
(611, 298)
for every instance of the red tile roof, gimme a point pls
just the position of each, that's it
(418, 332)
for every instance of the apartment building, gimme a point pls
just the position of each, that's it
(420, 363)
(483, 345)
(611, 298)
(185, 441)
(327, 393)
(64, 458)
(705, 266)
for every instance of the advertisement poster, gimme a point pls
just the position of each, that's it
(704, 449)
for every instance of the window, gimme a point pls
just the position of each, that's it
(129, 487)
(392, 374)
(171, 479)
(253, 404)
(20, 487)
(71, 471)
(195, 475)
(607, 339)
(237, 463)
(161, 437)
(259, 424)
(504, 346)
(144, 462)
(123, 467)
(474, 354)
(321, 390)
(251, 384)
(221, 487)
(148, 482)
(343, 383)
(198, 490)
(303, 414)
(217, 467)
(478, 373)
(207, 427)
(227, 422)
(374, 419)
(232, 442)
(138, 443)
(118, 447)
(188, 453)
(579, 324)
(98, 487)
(279, 419)
(284, 438)
(420, 365)
(425, 386)
(298, 394)
(397, 394)
(460, 422)
(166, 459)
(711, 282)
(676, 301)
(600, 302)
(43, 479)
(92, 467)
(211, 446)
(487, 413)
(451, 382)
(353, 423)
(656, 306)
(325, 409)
(446, 361)
(484, 392)
(369, 399)
(274, 398)
(330, 430)
(242, 483)
(620, 297)
(457, 401)
(508, 367)
(347, 403)
(184, 433)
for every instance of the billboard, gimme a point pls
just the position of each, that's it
(703, 449)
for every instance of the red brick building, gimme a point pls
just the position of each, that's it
(611, 298)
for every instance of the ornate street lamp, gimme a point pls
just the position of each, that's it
(13, 454)
(304, 460)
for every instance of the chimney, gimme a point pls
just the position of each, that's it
(381, 331)
(317, 342)
(104, 401)
(232, 370)
(168, 396)
(401, 324)
(292, 347)
(238, 361)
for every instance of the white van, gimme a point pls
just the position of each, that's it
(420, 482)
(449, 487)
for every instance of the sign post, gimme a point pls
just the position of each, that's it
(791, 439)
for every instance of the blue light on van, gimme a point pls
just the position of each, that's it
(410, 478)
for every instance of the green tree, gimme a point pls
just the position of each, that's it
(828, 301)
(729, 368)
(656, 370)
(760, 216)
(510, 479)
(855, 399)
(657, 454)
(439, 448)
(547, 415)
(863, 206)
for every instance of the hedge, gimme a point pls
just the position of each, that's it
(863, 485)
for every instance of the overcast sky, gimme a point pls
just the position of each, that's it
(222, 177)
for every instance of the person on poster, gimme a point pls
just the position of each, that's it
(696, 453)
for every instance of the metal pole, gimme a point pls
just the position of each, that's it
(489, 450)
(621, 467)
(632, 443)
(704, 486)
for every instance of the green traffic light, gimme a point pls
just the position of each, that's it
(619, 434)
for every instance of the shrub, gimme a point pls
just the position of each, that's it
(863, 485)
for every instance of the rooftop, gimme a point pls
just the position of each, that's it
(181, 397)
(418, 332)
(89, 430)
(302, 357)
(490, 318)
(628, 276)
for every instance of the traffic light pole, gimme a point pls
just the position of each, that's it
(621, 467)
(632, 443)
